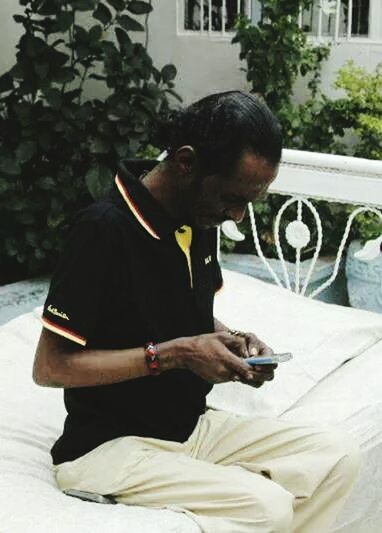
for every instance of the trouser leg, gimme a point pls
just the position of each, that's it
(317, 465)
(158, 474)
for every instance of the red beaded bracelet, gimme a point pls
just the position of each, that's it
(152, 358)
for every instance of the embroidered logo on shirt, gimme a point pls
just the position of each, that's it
(56, 312)
(207, 260)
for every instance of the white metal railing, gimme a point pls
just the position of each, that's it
(341, 20)
(353, 21)
(210, 16)
(304, 175)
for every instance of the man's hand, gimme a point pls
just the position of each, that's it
(254, 346)
(218, 357)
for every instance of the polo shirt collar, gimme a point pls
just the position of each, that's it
(145, 208)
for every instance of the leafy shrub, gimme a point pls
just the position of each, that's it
(59, 150)
(319, 124)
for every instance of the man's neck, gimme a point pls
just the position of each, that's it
(160, 185)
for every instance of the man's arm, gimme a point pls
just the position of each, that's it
(219, 326)
(62, 363)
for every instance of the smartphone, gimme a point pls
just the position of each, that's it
(269, 359)
(89, 496)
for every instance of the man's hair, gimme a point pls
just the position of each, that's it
(222, 126)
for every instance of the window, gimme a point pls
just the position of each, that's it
(337, 18)
(213, 15)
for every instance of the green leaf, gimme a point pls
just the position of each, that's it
(64, 21)
(46, 183)
(83, 5)
(53, 97)
(97, 77)
(122, 148)
(6, 82)
(55, 219)
(129, 24)
(95, 33)
(174, 94)
(4, 186)
(103, 14)
(26, 150)
(168, 72)
(139, 8)
(98, 179)
(99, 146)
(9, 166)
(119, 5)
(41, 70)
(20, 19)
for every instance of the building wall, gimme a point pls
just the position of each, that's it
(9, 33)
(205, 64)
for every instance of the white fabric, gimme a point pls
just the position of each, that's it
(350, 398)
(321, 337)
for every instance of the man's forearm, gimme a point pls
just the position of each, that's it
(219, 326)
(59, 366)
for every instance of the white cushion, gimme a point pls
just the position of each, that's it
(321, 337)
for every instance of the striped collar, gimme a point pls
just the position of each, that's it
(145, 208)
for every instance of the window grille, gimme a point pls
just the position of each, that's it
(338, 19)
(214, 15)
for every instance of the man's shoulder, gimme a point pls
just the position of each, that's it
(103, 212)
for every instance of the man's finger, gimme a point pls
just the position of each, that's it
(264, 349)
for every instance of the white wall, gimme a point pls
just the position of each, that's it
(9, 33)
(208, 64)
(204, 64)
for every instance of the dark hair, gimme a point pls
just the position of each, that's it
(221, 127)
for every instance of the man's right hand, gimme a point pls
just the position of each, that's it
(217, 357)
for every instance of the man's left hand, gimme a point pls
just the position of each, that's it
(261, 373)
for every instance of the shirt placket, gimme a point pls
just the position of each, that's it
(183, 236)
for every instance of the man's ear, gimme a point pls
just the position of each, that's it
(185, 160)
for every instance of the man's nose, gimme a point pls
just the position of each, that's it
(237, 214)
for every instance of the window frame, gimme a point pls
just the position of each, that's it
(375, 27)
(374, 37)
(223, 34)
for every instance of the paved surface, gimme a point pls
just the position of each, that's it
(21, 297)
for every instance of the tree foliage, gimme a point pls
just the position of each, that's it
(277, 53)
(57, 148)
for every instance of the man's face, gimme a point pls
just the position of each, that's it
(217, 199)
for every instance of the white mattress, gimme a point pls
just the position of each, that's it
(351, 398)
(318, 390)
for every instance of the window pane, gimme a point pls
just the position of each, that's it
(360, 17)
(192, 14)
(344, 12)
(310, 19)
(232, 12)
(329, 8)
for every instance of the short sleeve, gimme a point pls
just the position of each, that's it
(74, 303)
(218, 278)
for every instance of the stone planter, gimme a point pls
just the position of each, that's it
(364, 280)
(253, 265)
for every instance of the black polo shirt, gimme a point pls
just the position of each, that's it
(128, 274)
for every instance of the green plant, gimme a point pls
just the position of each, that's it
(361, 107)
(57, 147)
(288, 55)
(319, 124)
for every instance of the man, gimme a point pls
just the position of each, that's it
(129, 334)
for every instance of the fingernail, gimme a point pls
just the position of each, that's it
(253, 351)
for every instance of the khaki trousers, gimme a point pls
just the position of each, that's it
(234, 474)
